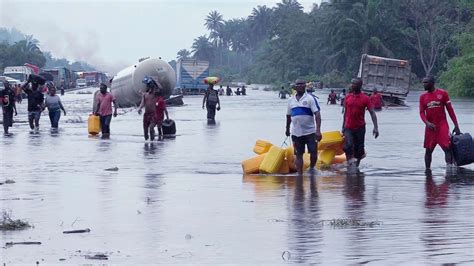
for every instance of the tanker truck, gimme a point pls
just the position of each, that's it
(127, 86)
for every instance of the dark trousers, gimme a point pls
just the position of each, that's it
(354, 140)
(54, 118)
(211, 111)
(34, 118)
(105, 123)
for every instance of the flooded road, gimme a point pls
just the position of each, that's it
(184, 200)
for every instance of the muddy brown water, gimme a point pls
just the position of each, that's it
(185, 200)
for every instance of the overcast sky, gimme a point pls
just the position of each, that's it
(114, 34)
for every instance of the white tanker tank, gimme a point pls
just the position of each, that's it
(127, 85)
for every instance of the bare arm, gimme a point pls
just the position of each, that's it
(451, 113)
(288, 123)
(166, 113)
(115, 108)
(204, 100)
(142, 104)
(25, 87)
(317, 118)
(374, 120)
(62, 107)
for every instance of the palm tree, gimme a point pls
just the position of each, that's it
(183, 54)
(214, 23)
(260, 23)
(27, 46)
(202, 48)
(289, 5)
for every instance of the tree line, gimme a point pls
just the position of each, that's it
(277, 45)
(17, 48)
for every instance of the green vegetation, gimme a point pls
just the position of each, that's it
(17, 48)
(459, 76)
(277, 45)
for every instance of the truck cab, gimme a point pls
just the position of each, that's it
(20, 73)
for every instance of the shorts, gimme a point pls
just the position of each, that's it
(300, 142)
(439, 136)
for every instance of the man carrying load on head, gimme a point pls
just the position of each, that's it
(303, 112)
(432, 105)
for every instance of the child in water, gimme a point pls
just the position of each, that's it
(160, 112)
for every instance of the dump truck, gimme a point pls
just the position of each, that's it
(391, 78)
(190, 75)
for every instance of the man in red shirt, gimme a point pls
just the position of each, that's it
(376, 100)
(432, 105)
(104, 109)
(353, 127)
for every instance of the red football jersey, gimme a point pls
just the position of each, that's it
(355, 105)
(433, 104)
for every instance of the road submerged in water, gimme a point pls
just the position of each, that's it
(185, 200)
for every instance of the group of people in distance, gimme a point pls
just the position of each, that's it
(304, 119)
(37, 103)
(375, 98)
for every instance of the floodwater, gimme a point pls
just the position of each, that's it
(185, 200)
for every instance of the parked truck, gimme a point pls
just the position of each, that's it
(20, 73)
(190, 75)
(61, 76)
(391, 78)
(94, 78)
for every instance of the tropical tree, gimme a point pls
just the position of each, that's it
(202, 48)
(183, 54)
(430, 27)
(214, 22)
(260, 22)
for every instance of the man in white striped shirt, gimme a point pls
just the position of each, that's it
(303, 112)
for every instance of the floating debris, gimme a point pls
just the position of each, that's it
(8, 224)
(276, 220)
(9, 244)
(183, 255)
(188, 236)
(98, 256)
(350, 222)
(114, 169)
(87, 230)
(286, 255)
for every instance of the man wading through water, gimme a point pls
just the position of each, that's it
(432, 105)
(7, 97)
(35, 102)
(303, 112)
(149, 102)
(353, 126)
(212, 102)
(104, 109)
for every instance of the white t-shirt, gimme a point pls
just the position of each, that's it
(302, 114)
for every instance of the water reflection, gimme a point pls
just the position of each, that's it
(305, 231)
(354, 192)
(441, 229)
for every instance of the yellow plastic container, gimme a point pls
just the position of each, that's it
(284, 168)
(252, 165)
(262, 146)
(326, 157)
(272, 161)
(331, 140)
(339, 159)
(290, 157)
(93, 124)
